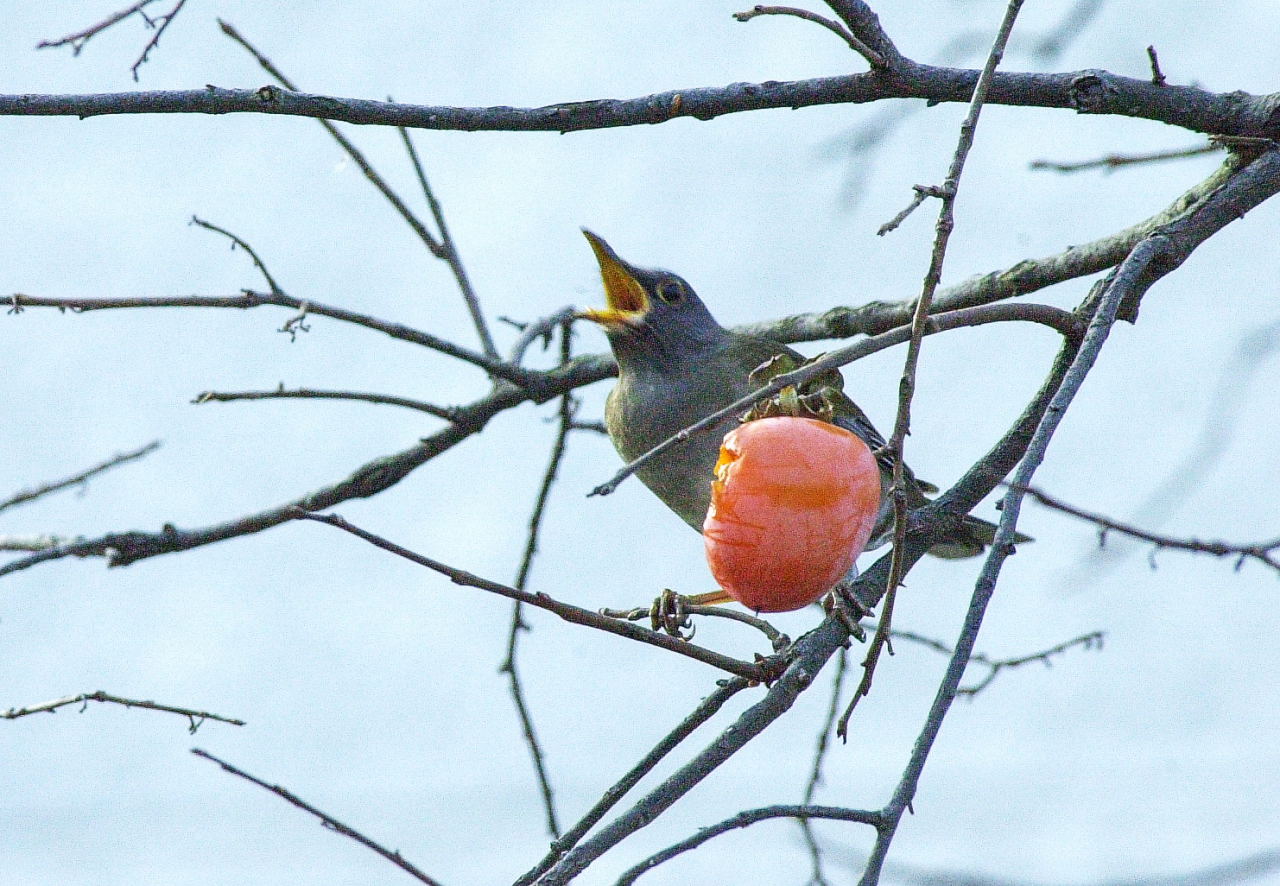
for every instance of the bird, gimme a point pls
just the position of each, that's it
(677, 364)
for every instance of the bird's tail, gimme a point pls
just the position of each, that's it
(971, 539)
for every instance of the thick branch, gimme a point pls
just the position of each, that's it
(1086, 92)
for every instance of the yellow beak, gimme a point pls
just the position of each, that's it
(626, 299)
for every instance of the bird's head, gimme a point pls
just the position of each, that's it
(650, 315)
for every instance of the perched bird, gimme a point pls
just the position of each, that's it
(676, 365)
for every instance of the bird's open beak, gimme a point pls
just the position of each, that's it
(625, 297)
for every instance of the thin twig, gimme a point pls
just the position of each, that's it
(906, 388)
(195, 718)
(542, 328)
(744, 819)
(566, 611)
(705, 710)
(330, 823)
(818, 877)
(1157, 75)
(250, 299)
(38, 542)
(922, 191)
(1115, 161)
(875, 59)
(509, 666)
(77, 40)
(442, 247)
(237, 242)
(448, 250)
(281, 393)
(26, 495)
(1265, 552)
(1060, 320)
(164, 22)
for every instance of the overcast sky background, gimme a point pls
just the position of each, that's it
(371, 687)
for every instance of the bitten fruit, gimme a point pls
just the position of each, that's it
(792, 505)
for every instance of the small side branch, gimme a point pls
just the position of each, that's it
(282, 393)
(744, 819)
(441, 247)
(327, 820)
(875, 59)
(709, 706)
(1267, 552)
(1110, 162)
(28, 495)
(510, 665)
(566, 611)
(195, 718)
(247, 298)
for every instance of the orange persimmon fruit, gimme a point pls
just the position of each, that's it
(792, 505)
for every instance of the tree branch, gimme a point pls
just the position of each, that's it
(281, 393)
(27, 495)
(195, 718)
(1086, 92)
(709, 706)
(1266, 552)
(743, 819)
(327, 820)
(567, 611)
(250, 299)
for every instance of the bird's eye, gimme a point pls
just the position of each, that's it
(671, 291)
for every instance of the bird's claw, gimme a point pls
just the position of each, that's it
(844, 606)
(668, 612)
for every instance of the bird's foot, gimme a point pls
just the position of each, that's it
(839, 601)
(671, 612)
(668, 612)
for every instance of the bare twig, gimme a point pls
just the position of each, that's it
(744, 819)
(250, 299)
(77, 40)
(906, 387)
(38, 542)
(1091, 640)
(237, 242)
(566, 611)
(327, 820)
(1115, 161)
(27, 495)
(875, 59)
(281, 393)
(1157, 75)
(542, 328)
(817, 876)
(448, 250)
(443, 247)
(1265, 552)
(159, 24)
(195, 718)
(509, 665)
(709, 706)
(922, 191)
